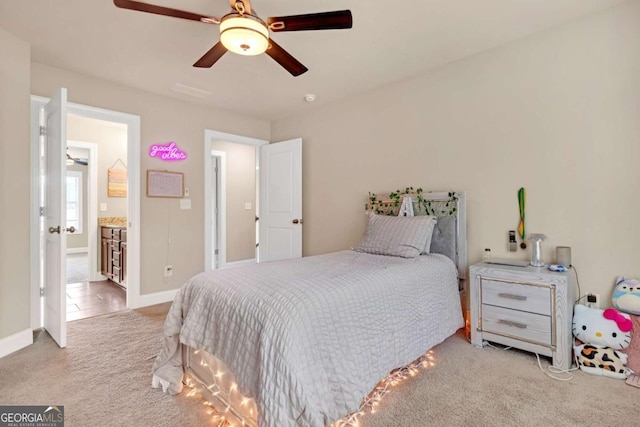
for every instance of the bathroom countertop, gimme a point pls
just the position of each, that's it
(112, 221)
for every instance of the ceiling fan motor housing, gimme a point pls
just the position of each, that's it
(244, 34)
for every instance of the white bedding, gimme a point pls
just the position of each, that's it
(309, 338)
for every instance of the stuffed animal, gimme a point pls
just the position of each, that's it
(626, 295)
(601, 332)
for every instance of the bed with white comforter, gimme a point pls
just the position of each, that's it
(309, 338)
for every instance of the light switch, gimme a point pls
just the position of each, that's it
(103, 207)
(185, 203)
(186, 192)
(247, 206)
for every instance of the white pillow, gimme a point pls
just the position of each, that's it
(402, 236)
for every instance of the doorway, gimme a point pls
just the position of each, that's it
(231, 204)
(88, 292)
(84, 116)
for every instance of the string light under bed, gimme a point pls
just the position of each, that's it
(225, 415)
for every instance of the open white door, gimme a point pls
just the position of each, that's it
(280, 201)
(54, 121)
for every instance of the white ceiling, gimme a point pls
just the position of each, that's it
(389, 41)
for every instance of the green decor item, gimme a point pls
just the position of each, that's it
(521, 199)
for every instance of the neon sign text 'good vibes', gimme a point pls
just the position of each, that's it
(168, 152)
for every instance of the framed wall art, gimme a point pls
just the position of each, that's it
(165, 184)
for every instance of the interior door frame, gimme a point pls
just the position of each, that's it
(209, 223)
(218, 210)
(133, 203)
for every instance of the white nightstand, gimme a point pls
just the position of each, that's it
(530, 308)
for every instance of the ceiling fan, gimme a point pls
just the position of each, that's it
(76, 161)
(244, 33)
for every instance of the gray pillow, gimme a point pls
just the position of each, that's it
(443, 240)
(427, 246)
(401, 236)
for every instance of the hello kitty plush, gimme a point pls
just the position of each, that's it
(602, 332)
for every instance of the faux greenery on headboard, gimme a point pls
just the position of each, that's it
(389, 204)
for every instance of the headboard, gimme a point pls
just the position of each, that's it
(450, 234)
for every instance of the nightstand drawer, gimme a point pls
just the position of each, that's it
(518, 296)
(517, 324)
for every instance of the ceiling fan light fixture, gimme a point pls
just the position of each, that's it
(244, 34)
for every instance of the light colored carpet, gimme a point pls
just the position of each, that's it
(103, 378)
(77, 268)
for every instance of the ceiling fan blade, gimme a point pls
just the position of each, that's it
(337, 20)
(283, 58)
(210, 58)
(77, 161)
(166, 11)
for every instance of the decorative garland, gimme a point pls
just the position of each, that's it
(389, 204)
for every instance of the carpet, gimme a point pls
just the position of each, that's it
(103, 378)
(77, 268)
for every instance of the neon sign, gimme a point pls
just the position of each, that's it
(168, 152)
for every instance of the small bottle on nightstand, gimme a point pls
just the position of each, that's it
(487, 255)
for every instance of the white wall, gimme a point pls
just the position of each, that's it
(111, 140)
(15, 273)
(557, 113)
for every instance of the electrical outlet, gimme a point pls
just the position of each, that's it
(168, 270)
(593, 300)
(512, 241)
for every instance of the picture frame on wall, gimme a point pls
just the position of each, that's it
(116, 182)
(165, 184)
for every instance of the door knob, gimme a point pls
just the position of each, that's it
(71, 229)
(295, 221)
(54, 230)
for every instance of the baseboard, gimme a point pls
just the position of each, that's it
(153, 299)
(77, 250)
(241, 262)
(15, 342)
(97, 277)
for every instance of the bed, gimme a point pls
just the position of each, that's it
(301, 342)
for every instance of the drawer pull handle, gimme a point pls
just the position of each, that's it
(512, 296)
(512, 323)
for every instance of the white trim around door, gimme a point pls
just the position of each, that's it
(209, 217)
(133, 195)
(217, 197)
